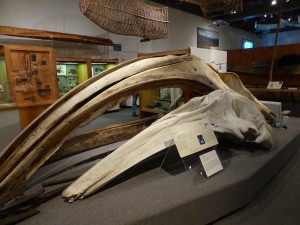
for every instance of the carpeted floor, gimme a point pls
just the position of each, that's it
(276, 204)
(123, 115)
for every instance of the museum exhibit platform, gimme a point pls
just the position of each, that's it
(156, 196)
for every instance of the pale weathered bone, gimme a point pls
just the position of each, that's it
(29, 151)
(233, 81)
(47, 133)
(231, 114)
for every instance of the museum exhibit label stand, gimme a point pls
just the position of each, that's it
(195, 144)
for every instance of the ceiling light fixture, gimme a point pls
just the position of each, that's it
(290, 18)
(265, 15)
(274, 2)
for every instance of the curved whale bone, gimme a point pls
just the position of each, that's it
(232, 115)
(42, 138)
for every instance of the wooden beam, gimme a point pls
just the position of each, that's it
(276, 41)
(175, 52)
(100, 137)
(56, 36)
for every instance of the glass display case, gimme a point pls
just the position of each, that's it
(74, 71)
(100, 65)
(158, 100)
(70, 72)
(4, 88)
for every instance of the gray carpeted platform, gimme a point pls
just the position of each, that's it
(157, 197)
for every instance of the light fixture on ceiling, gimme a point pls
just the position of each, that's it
(265, 15)
(274, 2)
(271, 16)
(290, 18)
(287, 0)
(218, 23)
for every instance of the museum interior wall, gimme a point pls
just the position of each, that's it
(46, 15)
(68, 19)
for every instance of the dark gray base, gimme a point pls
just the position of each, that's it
(156, 197)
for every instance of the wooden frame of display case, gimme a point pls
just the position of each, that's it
(148, 96)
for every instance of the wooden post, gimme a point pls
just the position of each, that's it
(276, 40)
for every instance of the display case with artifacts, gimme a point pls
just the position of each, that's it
(74, 71)
(158, 100)
(100, 65)
(70, 72)
(4, 89)
(31, 75)
(31, 79)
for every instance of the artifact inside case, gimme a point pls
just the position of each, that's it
(4, 90)
(67, 76)
(72, 72)
(159, 99)
(31, 75)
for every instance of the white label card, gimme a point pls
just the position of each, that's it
(193, 137)
(211, 163)
(275, 85)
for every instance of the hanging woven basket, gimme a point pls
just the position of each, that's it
(128, 17)
(219, 7)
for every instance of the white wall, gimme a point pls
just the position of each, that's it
(65, 16)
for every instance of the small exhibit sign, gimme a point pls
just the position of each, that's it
(211, 163)
(193, 137)
(275, 85)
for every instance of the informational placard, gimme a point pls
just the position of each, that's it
(193, 137)
(275, 85)
(211, 163)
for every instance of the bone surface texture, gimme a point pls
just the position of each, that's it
(232, 115)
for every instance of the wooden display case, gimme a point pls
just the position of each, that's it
(31, 75)
(34, 80)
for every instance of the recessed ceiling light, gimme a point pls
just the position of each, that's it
(274, 2)
(287, 0)
(265, 15)
(290, 18)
